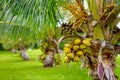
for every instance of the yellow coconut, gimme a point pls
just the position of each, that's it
(66, 60)
(82, 46)
(57, 60)
(76, 59)
(89, 39)
(56, 56)
(79, 53)
(86, 42)
(42, 57)
(70, 55)
(68, 45)
(77, 41)
(76, 48)
(67, 50)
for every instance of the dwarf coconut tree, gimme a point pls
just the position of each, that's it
(97, 48)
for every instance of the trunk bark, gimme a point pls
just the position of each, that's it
(104, 70)
(23, 54)
(49, 61)
(13, 50)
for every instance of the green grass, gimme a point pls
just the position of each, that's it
(12, 67)
(117, 70)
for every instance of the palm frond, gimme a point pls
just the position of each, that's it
(112, 15)
(79, 14)
(115, 38)
(93, 8)
(98, 32)
(29, 19)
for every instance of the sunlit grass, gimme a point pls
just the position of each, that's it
(12, 67)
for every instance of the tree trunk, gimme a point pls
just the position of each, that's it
(14, 50)
(49, 61)
(104, 70)
(23, 54)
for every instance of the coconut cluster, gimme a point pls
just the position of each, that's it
(44, 46)
(42, 57)
(57, 59)
(76, 50)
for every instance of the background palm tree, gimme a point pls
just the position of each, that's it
(12, 40)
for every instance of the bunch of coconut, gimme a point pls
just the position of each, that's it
(45, 46)
(57, 59)
(42, 57)
(76, 50)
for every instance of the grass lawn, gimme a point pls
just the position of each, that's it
(12, 67)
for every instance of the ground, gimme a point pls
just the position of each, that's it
(12, 67)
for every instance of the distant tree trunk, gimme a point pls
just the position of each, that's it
(23, 53)
(49, 61)
(50, 52)
(14, 50)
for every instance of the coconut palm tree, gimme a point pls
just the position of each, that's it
(100, 25)
(98, 22)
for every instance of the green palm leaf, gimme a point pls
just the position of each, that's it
(112, 16)
(115, 38)
(29, 19)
